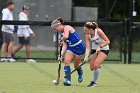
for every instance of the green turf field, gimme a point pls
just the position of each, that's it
(20, 77)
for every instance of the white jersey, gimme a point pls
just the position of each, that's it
(97, 41)
(7, 15)
(24, 30)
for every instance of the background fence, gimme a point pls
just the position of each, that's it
(45, 44)
(136, 43)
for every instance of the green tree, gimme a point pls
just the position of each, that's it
(119, 11)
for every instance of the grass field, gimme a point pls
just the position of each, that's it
(21, 77)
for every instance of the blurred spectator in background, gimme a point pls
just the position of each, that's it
(7, 31)
(24, 32)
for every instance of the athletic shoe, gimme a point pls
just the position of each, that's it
(67, 83)
(11, 60)
(92, 84)
(31, 61)
(3, 60)
(13, 56)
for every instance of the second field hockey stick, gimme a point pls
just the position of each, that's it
(84, 62)
(56, 82)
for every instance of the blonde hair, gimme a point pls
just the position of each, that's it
(91, 24)
(59, 19)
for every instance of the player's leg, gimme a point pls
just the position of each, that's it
(10, 50)
(3, 51)
(92, 60)
(18, 47)
(68, 57)
(96, 66)
(28, 51)
(77, 61)
(99, 60)
(28, 54)
(92, 83)
(4, 47)
(10, 47)
(27, 45)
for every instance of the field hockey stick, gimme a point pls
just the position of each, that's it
(84, 62)
(56, 82)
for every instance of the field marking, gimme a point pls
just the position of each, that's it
(121, 76)
(37, 68)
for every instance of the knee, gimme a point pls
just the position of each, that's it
(4, 46)
(95, 67)
(76, 66)
(27, 45)
(91, 68)
(20, 45)
(67, 62)
(10, 48)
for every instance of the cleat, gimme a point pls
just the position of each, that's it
(13, 56)
(92, 84)
(67, 83)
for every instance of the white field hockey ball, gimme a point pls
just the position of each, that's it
(54, 81)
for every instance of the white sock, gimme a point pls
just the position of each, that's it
(95, 75)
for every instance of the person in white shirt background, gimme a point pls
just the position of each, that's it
(24, 33)
(7, 32)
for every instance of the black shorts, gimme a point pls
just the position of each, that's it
(8, 37)
(24, 41)
(104, 51)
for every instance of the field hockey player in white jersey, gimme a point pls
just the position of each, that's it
(100, 49)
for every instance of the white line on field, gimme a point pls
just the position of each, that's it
(120, 67)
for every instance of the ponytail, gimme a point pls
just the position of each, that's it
(60, 19)
(95, 24)
(91, 25)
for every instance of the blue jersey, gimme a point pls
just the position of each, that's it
(75, 44)
(73, 38)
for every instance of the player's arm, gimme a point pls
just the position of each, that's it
(31, 32)
(87, 47)
(64, 48)
(67, 30)
(104, 37)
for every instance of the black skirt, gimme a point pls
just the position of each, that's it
(104, 51)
